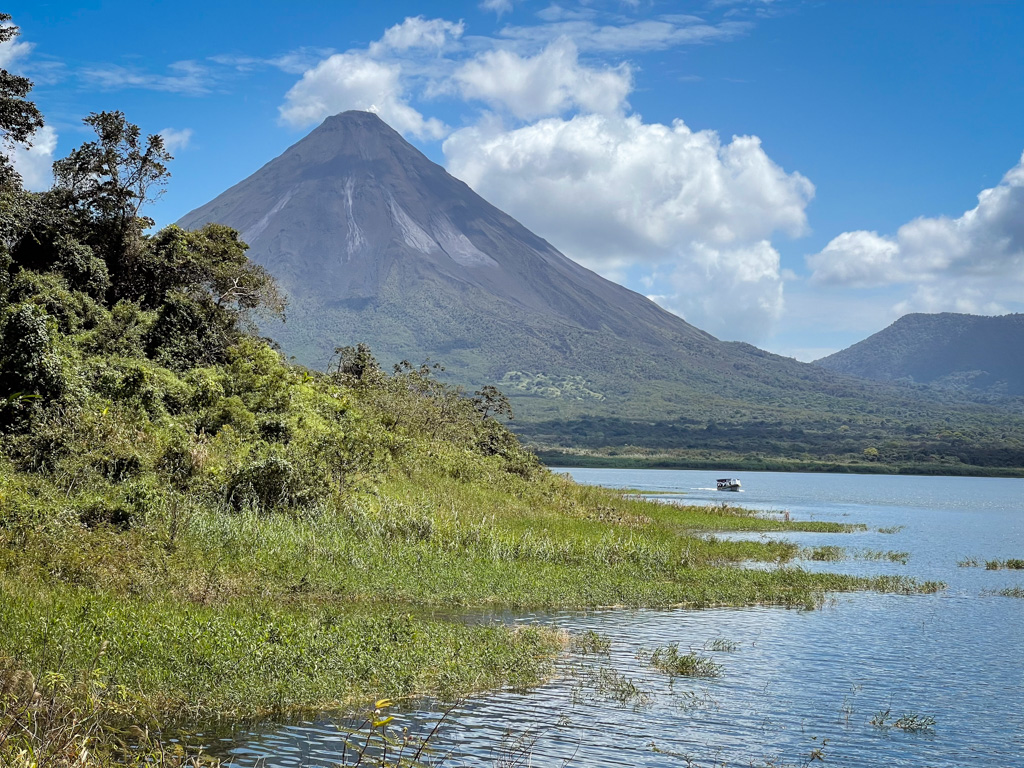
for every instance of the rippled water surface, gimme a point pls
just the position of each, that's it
(792, 682)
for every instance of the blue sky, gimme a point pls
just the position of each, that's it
(793, 174)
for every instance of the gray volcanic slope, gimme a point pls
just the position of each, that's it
(374, 243)
(353, 210)
(947, 350)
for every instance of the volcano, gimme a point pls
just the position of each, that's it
(375, 243)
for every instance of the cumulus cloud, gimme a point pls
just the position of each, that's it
(418, 32)
(35, 163)
(616, 187)
(175, 139)
(356, 81)
(375, 79)
(550, 83)
(613, 191)
(734, 293)
(973, 263)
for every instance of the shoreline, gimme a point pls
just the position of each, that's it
(564, 459)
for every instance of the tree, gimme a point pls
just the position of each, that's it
(19, 117)
(355, 365)
(109, 180)
(205, 291)
(490, 402)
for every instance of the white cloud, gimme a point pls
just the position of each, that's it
(550, 83)
(658, 33)
(856, 258)
(974, 263)
(294, 62)
(612, 191)
(356, 81)
(418, 32)
(187, 77)
(375, 79)
(175, 140)
(35, 163)
(611, 188)
(12, 50)
(688, 211)
(731, 293)
(499, 7)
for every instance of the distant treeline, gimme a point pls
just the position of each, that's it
(939, 447)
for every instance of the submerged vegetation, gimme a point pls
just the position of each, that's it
(669, 660)
(193, 528)
(1011, 563)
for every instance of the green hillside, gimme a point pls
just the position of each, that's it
(972, 354)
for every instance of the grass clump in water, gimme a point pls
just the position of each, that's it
(590, 643)
(669, 660)
(893, 556)
(1013, 563)
(910, 722)
(611, 684)
(826, 554)
(722, 644)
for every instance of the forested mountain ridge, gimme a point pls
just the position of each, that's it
(970, 353)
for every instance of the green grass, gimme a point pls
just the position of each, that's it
(669, 660)
(206, 613)
(590, 642)
(1013, 563)
(892, 529)
(243, 660)
(893, 556)
(829, 553)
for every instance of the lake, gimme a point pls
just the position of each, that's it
(795, 686)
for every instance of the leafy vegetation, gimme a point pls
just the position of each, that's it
(1010, 563)
(192, 527)
(910, 722)
(669, 660)
(1013, 563)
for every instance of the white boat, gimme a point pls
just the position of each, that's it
(728, 484)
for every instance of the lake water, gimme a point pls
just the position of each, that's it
(793, 681)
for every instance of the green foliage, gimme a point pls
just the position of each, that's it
(107, 181)
(669, 660)
(19, 117)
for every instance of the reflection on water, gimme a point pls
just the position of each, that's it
(794, 685)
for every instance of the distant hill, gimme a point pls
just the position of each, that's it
(950, 351)
(375, 243)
